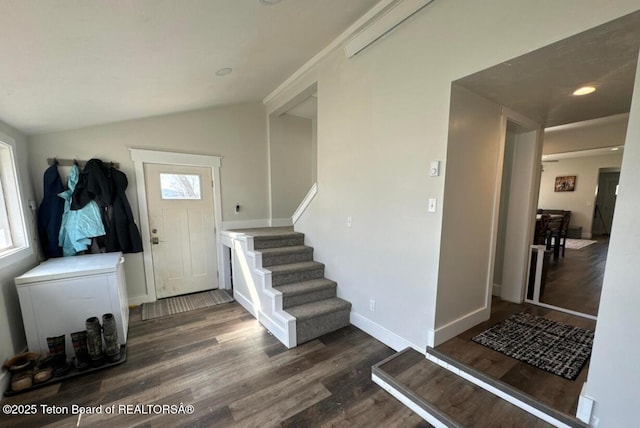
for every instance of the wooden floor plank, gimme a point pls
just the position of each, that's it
(234, 373)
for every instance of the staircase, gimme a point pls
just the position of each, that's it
(297, 284)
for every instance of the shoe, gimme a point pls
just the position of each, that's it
(94, 342)
(110, 333)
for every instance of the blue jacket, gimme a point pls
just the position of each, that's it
(50, 212)
(78, 226)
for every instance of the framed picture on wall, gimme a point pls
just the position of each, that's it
(565, 183)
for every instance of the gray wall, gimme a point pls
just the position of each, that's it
(291, 156)
(236, 132)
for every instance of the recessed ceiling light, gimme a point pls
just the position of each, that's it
(270, 2)
(585, 90)
(615, 149)
(224, 71)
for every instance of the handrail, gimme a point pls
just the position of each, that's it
(305, 203)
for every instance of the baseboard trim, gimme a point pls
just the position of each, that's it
(138, 300)
(305, 203)
(245, 224)
(385, 336)
(462, 324)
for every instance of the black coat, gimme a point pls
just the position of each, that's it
(106, 185)
(50, 213)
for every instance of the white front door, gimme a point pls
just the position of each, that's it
(181, 221)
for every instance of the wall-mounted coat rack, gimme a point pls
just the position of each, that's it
(80, 163)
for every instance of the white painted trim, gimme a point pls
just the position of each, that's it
(384, 23)
(305, 203)
(498, 392)
(281, 334)
(363, 21)
(385, 336)
(559, 309)
(245, 224)
(460, 325)
(139, 158)
(281, 222)
(407, 402)
(585, 405)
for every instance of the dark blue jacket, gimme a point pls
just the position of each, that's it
(50, 213)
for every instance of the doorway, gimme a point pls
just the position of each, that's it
(210, 179)
(606, 194)
(181, 218)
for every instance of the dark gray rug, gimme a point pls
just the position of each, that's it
(188, 302)
(553, 346)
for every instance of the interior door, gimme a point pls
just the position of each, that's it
(181, 221)
(605, 202)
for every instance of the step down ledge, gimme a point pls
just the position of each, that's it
(505, 391)
(285, 250)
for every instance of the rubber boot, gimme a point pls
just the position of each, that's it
(110, 332)
(94, 341)
(58, 355)
(79, 341)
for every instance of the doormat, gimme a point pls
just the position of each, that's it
(576, 244)
(188, 302)
(553, 346)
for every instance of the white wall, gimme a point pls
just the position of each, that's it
(236, 132)
(12, 338)
(382, 117)
(591, 134)
(472, 173)
(291, 156)
(581, 201)
(613, 374)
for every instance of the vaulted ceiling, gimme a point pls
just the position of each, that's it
(66, 64)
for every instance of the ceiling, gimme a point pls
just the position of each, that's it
(68, 64)
(540, 84)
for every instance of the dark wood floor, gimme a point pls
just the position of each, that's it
(467, 404)
(222, 362)
(561, 394)
(575, 281)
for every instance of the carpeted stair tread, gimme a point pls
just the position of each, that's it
(319, 308)
(286, 255)
(295, 267)
(282, 239)
(306, 286)
(285, 250)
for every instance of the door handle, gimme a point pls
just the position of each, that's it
(155, 240)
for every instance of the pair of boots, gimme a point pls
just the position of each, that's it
(58, 355)
(94, 335)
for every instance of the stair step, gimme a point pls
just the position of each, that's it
(295, 272)
(318, 318)
(299, 293)
(286, 255)
(504, 387)
(444, 397)
(277, 240)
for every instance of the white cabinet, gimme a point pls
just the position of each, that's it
(59, 295)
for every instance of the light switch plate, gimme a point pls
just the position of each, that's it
(432, 205)
(434, 169)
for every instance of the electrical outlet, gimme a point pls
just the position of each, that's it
(349, 221)
(372, 305)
